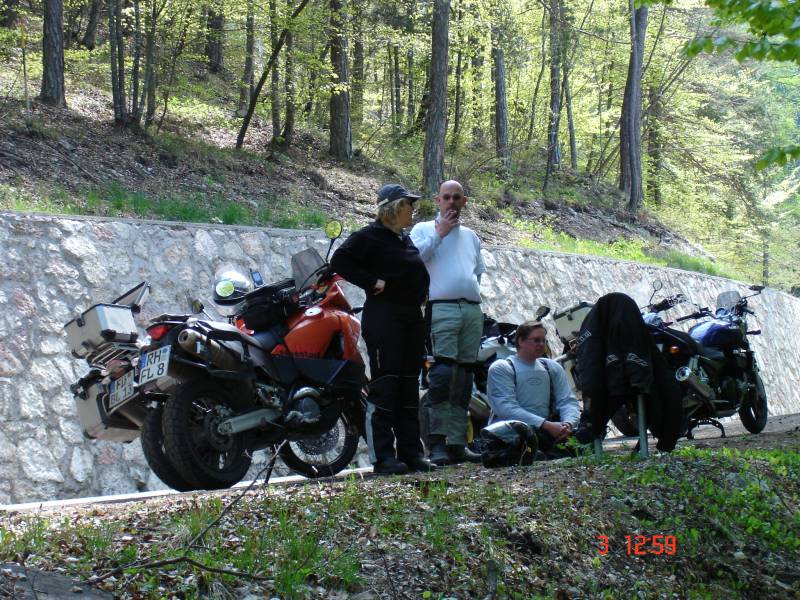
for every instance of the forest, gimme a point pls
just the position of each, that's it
(684, 112)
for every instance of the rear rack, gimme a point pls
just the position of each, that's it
(102, 355)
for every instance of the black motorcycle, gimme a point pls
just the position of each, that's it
(714, 363)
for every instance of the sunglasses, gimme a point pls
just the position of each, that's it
(453, 196)
(535, 340)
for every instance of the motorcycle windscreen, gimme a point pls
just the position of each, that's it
(304, 264)
(728, 300)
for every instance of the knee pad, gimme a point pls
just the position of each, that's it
(440, 382)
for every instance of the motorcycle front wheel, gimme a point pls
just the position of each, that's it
(203, 457)
(325, 454)
(754, 411)
(153, 449)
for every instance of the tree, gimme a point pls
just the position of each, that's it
(89, 40)
(555, 89)
(8, 13)
(341, 141)
(53, 54)
(215, 37)
(775, 26)
(246, 86)
(436, 117)
(500, 105)
(117, 60)
(630, 138)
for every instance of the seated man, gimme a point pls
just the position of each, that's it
(532, 389)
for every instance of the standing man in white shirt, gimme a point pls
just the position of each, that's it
(452, 254)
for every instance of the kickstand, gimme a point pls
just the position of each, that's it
(697, 422)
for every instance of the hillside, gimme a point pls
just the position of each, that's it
(76, 161)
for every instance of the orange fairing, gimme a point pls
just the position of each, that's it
(311, 331)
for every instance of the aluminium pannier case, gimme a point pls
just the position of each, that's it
(569, 321)
(91, 396)
(98, 325)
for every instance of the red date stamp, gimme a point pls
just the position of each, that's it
(643, 545)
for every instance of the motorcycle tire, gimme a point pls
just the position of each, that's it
(152, 439)
(323, 455)
(204, 458)
(753, 413)
(626, 422)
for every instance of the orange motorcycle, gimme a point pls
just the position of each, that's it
(205, 394)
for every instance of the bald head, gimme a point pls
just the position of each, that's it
(451, 199)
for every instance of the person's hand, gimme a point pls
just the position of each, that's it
(378, 287)
(446, 222)
(559, 431)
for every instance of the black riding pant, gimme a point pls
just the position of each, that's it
(395, 337)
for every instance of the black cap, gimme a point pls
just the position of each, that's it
(393, 191)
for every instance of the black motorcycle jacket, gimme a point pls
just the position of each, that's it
(617, 359)
(376, 252)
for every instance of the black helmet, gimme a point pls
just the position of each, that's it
(508, 443)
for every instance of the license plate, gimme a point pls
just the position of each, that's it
(154, 364)
(122, 389)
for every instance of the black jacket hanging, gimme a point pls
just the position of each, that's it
(617, 359)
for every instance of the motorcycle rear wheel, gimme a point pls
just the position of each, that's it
(153, 448)
(325, 454)
(626, 422)
(753, 413)
(206, 459)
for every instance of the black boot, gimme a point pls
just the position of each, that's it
(461, 454)
(418, 464)
(439, 455)
(390, 466)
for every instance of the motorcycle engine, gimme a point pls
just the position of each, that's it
(729, 390)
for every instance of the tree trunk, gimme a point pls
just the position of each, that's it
(117, 59)
(573, 144)
(341, 142)
(436, 123)
(358, 65)
(476, 66)
(53, 54)
(287, 135)
(459, 90)
(500, 106)
(215, 37)
(630, 157)
(246, 86)
(136, 116)
(654, 147)
(555, 90)
(8, 13)
(390, 84)
(89, 40)
(275, 78)
(150, 81)
(410, 100)
(398, 109)
(538, 83)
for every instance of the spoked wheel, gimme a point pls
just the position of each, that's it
(153, 448)
(754, 411)
(325, 454)
(202, 456)
(626, 422)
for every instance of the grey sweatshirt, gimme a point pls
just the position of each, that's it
(529, 399)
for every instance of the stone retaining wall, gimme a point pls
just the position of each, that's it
(52, 267)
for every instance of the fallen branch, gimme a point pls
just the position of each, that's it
(185, 558)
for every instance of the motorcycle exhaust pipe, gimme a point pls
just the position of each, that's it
(195, 343)
(685, 375)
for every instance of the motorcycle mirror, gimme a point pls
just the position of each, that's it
(196, 306)
(333, 230)
(657, 285)
(756, 288)
(542, 312)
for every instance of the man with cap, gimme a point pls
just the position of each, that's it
(452, 255)
(382, 260)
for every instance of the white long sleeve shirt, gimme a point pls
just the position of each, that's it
(453, 262)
